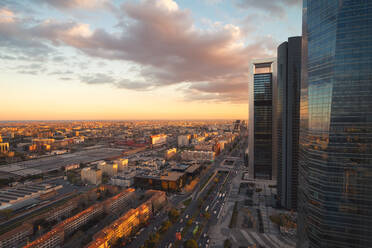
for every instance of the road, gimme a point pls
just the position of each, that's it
(214, 201)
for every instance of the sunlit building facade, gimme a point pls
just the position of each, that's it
(261, 88)
(335, 165)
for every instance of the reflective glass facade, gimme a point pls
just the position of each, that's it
(261, 118)
(287, 116)
(335, 165)
(262, 125)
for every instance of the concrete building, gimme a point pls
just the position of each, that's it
(287, 118)
(158, 140)
(65, 210)
(42, 144)
(261, 88)
(183, 140)
(168, 181)
(17, 237)
(128, 223)
(120, 202)
(72, 167)
(198, 155)
(4, 147)
(122, 163)
(170, 153)
(109, 169)
(56, 236)
(20, 195)
(91, 176)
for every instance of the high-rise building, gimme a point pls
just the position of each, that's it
(263, 83)
(287, 118)
(335, 165)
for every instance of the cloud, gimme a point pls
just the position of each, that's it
(6, 16)
(73, 4)
(165, 45)
(97, 78)
(171, 50)
(273, 7)
(133, 85)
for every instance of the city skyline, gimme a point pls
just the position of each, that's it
(89, 60)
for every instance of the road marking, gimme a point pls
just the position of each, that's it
(247, 237)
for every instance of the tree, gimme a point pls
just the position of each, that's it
(207, 215)
(191, 243)
(227, 243)
(165, 226)
(173, 215)
(189, 222)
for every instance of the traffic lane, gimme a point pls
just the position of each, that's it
(139, 240)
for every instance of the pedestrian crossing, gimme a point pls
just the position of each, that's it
(267, 240)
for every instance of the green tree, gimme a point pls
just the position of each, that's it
(227, 243)
(190, 221)
(191, 243)
(207, 215)
(165, 226)
(173, 215)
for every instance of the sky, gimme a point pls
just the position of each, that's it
(135, 59)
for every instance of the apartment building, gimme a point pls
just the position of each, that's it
(16, 237)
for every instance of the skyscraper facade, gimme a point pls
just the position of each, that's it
(335, 165)
(287, 116)
(261, 88)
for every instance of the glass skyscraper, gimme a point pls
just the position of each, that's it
(287, 117)
(263, 83)
(335, 165)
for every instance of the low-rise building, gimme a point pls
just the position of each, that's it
(158, 140)
(91, 176)
(16, 237)
(4, 147)
(55, 237)
(72, 167)
(170, 153)
(129, 222)
(168, 181)
(198, 155)
(120, 202)
(20, 194)
(183, 140)
(122, 163)
(109, 169)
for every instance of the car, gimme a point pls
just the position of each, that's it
(204, 235)
(187, 216)
(181, 220)
(207, 241)
(181, 229)
(215, 212)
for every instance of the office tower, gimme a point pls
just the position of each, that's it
(263, 83)
(287, 116)
(335, 165)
